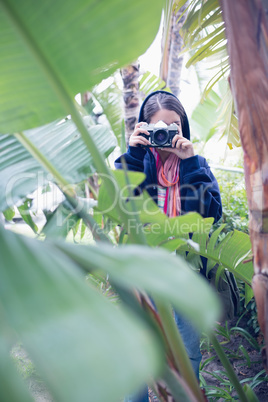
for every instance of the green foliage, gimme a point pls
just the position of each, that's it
(23, 363)
(69, 321)
(253, 316)
(9, 213)
(204, 38)
(12, 386)
(243, 350)
(61, 49)
(26, 215)
(149, 82)
(59, 144)
(60, 222)
(230, 252)
(204, 117)
(203, 32)
(126, 269)
(215, 115)
(110, 100)
(64, 323)
(234, 200)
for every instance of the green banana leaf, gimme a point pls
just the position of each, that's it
(232, 252)
(55, 49)
(164, 276)
(204, 117)
(111, 102)
(127, 183)
(61, 144)
(204, 36)
(173, 233)
(158, 227)
(201, 15)
(82, 346)
(216, 115)
(149, 82)
(13, 388)
(229, 119)
(60, 222)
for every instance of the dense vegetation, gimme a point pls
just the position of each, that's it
(68, 325)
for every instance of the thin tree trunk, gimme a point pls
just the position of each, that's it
(172, 45)
(247, 34)
(130, 77)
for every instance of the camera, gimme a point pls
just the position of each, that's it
(161, 135)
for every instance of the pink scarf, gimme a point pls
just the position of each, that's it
(168, 176)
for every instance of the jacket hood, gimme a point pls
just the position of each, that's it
(184, 119)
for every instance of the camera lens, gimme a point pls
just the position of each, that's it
(160, 137)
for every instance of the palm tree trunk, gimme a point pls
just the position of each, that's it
(130, 77)
(172, 44)
(247, 33)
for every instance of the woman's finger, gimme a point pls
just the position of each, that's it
(138, 131)
(180, 141)
(175, 139)
(141, 123)
(135, 140)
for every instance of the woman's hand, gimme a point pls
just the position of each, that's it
(182, 147)
(136, 139)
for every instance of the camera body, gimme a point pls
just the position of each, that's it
(161, 135)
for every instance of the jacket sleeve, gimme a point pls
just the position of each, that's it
(133, 158)
(136, 161)
(199, 188)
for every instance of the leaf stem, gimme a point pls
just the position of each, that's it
(34, 151)
(64, 186)
(229, 369)
(177, 348)
(80, 210)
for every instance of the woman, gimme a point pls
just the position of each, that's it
(178, 180)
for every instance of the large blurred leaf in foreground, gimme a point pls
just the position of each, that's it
(13, 389)
(83, 347)
(61, 144)
(66, 44)
(162, 275)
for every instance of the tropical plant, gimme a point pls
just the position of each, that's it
(44, 294)
(150, 82)
(214, 115)
(204, 39)
(67, 326)
(248, 58)
(108, 95)
(234, 200)
(204, 36)
(62, 322)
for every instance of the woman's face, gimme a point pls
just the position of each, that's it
(167, 116)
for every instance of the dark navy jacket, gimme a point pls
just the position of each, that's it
(198, 187)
